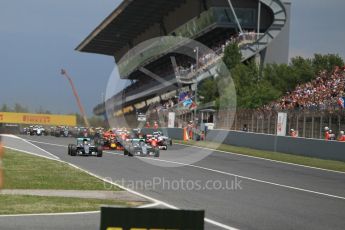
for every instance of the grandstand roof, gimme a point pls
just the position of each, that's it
(126, 22)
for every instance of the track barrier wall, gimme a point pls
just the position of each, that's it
(330, 150)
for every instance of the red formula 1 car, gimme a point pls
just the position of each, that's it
(156, 141)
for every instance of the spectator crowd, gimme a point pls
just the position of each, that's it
(211, 56)
(322, 93)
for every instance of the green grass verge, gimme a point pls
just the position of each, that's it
(23, 171)
(284, 157)
(13, 204)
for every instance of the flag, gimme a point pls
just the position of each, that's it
(193, 105)
(182, 96)
(341, 102)
(187, 102)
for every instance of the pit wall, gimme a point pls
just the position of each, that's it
(330, 150)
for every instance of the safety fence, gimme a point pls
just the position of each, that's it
(307, 123)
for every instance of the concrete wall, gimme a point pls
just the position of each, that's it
(174, 133)
(331, 150)
(278, 49)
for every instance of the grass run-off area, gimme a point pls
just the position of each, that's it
(23, 171)
(15, 204)
(284, 157)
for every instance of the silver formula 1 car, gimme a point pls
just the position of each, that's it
(138, 147)
(84, 147)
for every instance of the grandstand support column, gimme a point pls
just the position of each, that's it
(259, 21)
(297, 122)
(269, 124)
(275, 125)
(312, 126)
(339, 123)
(252, 123)
(204, 3)
(321, 123)
(196, 50)
(304, 123)
(235, 15)
(163, 28)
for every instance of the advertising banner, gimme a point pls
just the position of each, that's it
(281, 124)
(171, 121)
(37, 119)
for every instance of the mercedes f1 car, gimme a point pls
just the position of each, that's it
(84, 147)
(138, 147)
(35, 130)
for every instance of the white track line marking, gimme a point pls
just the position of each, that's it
(51, 214)
(155, 201)
(9, 135)
(31, 153)
(149, 205)
(253, 179)
(45, 143)
(39, 148)
(221, 151)
(244, 177)
(260, 158)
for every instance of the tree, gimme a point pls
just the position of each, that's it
(303, 69)
(326, 62)
(5, 108)
(281, 77)
(96, 121)
(18, 108)
(232, 56)
(41, 110)
(208, 91)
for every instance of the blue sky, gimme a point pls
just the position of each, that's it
(38, 37)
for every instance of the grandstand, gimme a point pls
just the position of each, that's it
(261, 27)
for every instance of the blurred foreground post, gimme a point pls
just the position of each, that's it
(1, 155)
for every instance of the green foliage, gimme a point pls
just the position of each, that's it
(303, 70)
(256, 88)
(252, 90)
(94, 121)
(232, 56)
(326, 62)
(5, 108)
(18, 108)
(207, 91)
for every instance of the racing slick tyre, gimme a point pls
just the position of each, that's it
(69, 149)
(99, 151)
(131, 152)
(125, 152)
(156, 152)
(73, 150)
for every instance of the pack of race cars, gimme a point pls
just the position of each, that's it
(132, 143)
(92, 142)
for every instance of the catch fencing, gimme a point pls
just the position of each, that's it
(307, 123)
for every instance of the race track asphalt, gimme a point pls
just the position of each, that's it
(269, 195)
